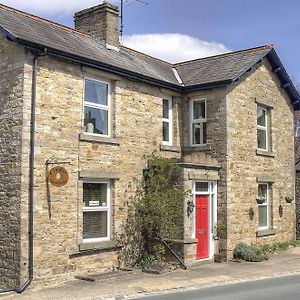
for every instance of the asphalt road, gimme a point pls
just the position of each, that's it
(283, 288)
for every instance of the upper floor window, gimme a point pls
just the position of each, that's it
(262, 128)
(167, 122)
(97, 107)
(198, 122)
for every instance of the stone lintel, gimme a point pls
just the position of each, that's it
(189, 165)
(92, 174)
(201, 176)
(265, 103)
(265, 178)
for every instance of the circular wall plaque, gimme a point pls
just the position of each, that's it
(58, 176)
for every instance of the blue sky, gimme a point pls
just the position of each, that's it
(185, 29)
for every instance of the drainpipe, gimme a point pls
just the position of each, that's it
(22, 288)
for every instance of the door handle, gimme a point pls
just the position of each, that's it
(201, 231)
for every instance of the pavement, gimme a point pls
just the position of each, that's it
(135, 284)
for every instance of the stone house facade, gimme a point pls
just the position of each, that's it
(79, 113)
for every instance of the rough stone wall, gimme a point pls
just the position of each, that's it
(11, 94)
(244, 165)
(137, 125)
(216, 152)
(297, 200)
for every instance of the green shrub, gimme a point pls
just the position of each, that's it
(249, 253)
(146, 261)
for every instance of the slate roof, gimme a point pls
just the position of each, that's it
(32, 29)
(37, 33)
(228, 66)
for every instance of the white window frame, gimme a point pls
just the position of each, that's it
(106, 208)
(194, 121)
(169, 121)
(266, 204)
(263, 128)
(99, 106)
(212, 192)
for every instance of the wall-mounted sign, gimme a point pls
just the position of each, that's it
(58, 176)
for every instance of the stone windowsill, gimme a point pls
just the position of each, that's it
(169, 148)
(91, 248)
(98, 139)
(266, 232)
(265, 153)
(197, 148)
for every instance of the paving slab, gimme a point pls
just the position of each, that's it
(135, 284)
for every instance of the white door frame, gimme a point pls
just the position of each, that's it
(212, 199)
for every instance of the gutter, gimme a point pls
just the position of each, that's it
(99, 65)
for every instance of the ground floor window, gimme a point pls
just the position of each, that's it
(96, 211)
(263, 205)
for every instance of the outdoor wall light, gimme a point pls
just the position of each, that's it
(190, 207)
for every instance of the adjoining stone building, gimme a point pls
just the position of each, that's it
(78, 114)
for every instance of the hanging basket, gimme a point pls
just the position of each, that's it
(260, 201)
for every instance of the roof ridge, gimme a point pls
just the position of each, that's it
(144, 54)
(43, 20)
(270, 46)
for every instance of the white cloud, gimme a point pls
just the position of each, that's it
(173, 47)
(53, 7)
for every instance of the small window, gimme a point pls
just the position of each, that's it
(96, 210)
(167, 122)
(262, 128)
(96, 107)
(198, 122)
(201, 186)
(263, 205)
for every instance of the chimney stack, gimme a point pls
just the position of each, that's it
(101, 21)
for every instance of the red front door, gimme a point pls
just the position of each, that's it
(202, 228)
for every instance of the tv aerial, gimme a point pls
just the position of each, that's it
(128, 2)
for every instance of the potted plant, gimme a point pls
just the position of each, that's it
(218, 235)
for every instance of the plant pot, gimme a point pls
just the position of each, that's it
(219, 258)
(289, 199)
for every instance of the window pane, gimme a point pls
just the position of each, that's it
(96, 120)
(261, 139)
(201, 186)
(198, 110)
(96, 92)
(166, 133)
(94, 224)
(262, 216)
(94, 194)
(196, 133)
(204, 133)
(166, 109)
(263, 192)
(261, 116)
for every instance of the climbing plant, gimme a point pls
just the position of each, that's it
(160, 209)
(155, 210)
